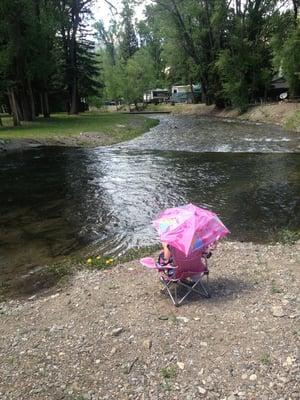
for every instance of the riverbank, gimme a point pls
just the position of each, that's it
(283, 114)
(111, 334)
(89, 129)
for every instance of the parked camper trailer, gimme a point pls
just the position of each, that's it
(156, 96)
(184, 94)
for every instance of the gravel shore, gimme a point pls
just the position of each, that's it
(112, 334)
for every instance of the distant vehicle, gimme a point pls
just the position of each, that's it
(156, 96)
(283, 95)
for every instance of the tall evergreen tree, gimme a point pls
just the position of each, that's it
(80, 63)
(128, 39)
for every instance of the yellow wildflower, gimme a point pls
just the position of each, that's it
(98, 257)
(89, 260)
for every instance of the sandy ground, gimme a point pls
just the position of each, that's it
(90, 139)
(113, 335)
(274, 113)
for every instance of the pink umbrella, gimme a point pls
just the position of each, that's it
(189, 228)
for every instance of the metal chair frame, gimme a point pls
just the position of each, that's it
(194, 287)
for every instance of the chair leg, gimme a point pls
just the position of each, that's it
(166, 287)
(205, 287)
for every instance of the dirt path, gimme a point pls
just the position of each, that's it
(113, 335)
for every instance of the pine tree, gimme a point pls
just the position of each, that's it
(128, 39)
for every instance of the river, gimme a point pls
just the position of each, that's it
(56, 200)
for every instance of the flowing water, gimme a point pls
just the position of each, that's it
(55, 200)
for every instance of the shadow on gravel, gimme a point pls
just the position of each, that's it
(225, 288)
(221, 289)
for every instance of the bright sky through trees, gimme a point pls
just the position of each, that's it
(101, 9)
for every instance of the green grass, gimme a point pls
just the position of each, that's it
(169, 372)
(57, 274)
(116, 126)
(274, 288)
(266, 359)
(293, 123)
(289, 236)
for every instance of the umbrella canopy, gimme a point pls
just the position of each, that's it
(189, 228)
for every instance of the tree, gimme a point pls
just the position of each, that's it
(139, 76)
(128, 39)
(286, 47)
(80, 64)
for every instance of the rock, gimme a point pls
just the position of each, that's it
(147, 343)
(180, 365)
(182, 319)
(253, 377)
(289, 361)
(117, 331)
(231, 397)
(201, 390)
(163, 317)
(277, 311)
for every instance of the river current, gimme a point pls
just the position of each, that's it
(56, 201)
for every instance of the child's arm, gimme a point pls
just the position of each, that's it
(167, 253)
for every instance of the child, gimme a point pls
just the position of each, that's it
(165, 258)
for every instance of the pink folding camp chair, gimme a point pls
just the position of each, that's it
(185, 272)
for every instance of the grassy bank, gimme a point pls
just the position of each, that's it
(57, 273)
(105, 128)
(293, 123)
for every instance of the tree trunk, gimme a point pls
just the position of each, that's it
(46, 106)
(73, 59)
(31, 100)
(74, 97)
(14, 107)
(203, 91)
(192, 91)
(42, 103)
(296, 4)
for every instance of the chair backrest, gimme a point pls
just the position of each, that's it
(188, 266)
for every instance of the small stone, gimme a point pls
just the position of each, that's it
(163, 317)
(182, 319)
(201, 390)
(180, 365)
(289, 361)
(253, 377)
(97, 361)
(117, 331)
(147, 343)
(203, 344)
(277, 311)
(244, 376)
